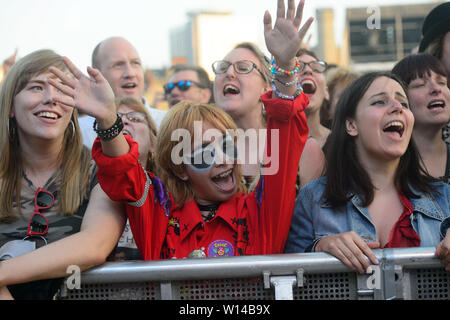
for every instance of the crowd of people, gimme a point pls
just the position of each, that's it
(274, 155)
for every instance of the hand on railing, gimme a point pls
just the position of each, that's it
(443, 251)
(350, 249)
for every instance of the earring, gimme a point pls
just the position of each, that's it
(73, 129)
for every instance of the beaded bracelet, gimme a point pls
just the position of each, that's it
(287, 84)
(285, 96)
(110, 133)
(277, 70)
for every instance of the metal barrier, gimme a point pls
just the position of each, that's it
(410, 273)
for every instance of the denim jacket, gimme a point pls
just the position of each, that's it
(314, 219)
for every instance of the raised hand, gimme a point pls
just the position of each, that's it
(92, 95)
(285, 39)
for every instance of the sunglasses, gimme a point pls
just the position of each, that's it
(241, 67)
(134, 116)
(205, 157)
(38, 224)
(183, 85)
(316, 66)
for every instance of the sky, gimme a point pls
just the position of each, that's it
(74, 27)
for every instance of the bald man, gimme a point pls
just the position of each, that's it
(120, 64)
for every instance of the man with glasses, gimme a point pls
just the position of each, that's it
(120, 64)
(188, 83)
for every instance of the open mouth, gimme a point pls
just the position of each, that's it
(129, 86)
(230, 90)
(225, 180)
(436, 104)
(309, 87)
(48, 115)
(126, 132)
(395, 126)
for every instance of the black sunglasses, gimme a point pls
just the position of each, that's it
(182, 85)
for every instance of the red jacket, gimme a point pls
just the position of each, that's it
(247, 224)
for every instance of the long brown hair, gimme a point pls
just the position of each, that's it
(345, 173)
(74, 157)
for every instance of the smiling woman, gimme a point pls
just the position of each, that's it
(47, 179)
(429, 95)
(375, 193)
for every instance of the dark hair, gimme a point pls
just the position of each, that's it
(344, 172)
(202, 75)
(416, 66)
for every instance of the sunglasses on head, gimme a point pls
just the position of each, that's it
(205, 157)
(183, 85)
(38, 224)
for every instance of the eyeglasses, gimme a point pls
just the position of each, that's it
(134, 116)
(38, 224)
(316, 66)
(183, 85)
(204, 158)
(241, 67)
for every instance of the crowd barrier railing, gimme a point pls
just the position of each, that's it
(407, 273)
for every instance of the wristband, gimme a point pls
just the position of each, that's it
(287, 84)
(277, 70)
(285, 96)
(111, 133)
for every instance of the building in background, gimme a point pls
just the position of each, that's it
(209, 35)
(369, 44)
(364, 46)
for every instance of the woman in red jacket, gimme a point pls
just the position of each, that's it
(198, 206)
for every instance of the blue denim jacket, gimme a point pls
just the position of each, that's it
(314, 218)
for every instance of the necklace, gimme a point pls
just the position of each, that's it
(210, 208)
